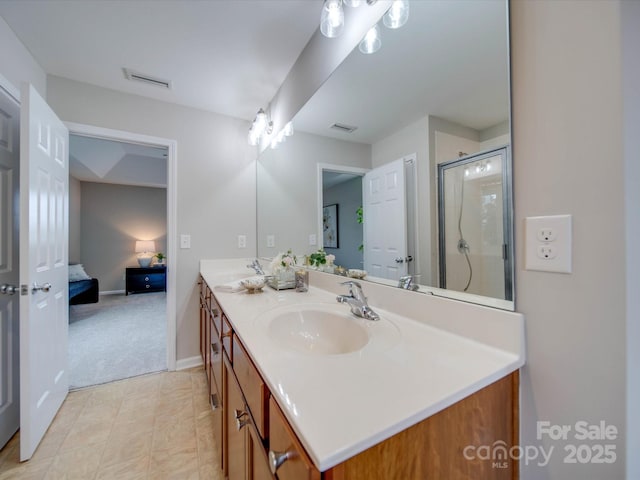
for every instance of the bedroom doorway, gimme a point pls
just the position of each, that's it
(122, 193)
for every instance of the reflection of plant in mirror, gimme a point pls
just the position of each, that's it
(316, 259)
(360, 220)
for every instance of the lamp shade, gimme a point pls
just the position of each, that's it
(143, 246)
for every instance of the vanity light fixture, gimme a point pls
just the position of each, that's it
(371, 42)
(397, 15)
(282, 135)
(260, 126)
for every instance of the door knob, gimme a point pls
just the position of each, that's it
(45, 287)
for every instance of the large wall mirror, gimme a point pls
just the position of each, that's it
(401, 162)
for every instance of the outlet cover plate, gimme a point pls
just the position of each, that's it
(559, 244)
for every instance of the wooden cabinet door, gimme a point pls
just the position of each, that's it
(282, 440)
(236, 417)
(257, 461)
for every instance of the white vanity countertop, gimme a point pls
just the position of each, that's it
(340, 405)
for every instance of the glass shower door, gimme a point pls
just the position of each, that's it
(474, 220)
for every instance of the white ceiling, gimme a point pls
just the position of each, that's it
(224, 56)
(109, 161)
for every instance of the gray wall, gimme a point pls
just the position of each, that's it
(75, 199)
(348, 196)
(113, 217)
(568, 158)
(16, 63)
(215, 179)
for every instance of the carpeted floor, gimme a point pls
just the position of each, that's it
(118, 337)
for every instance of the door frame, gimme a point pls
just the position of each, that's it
(329, 167)
(172, 197)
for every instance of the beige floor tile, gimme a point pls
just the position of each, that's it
(168, 464)
(211, 472)
(49, 446)
(152, 427)
(132, 469)
(125, 446)
(86, 434)
(32, 470)
(174, 437)
(81, 464)
(134, 421)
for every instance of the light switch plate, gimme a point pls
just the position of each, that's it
(312, 239)
(548, 243)
(185, 241)
(271, 241)
(242, 241)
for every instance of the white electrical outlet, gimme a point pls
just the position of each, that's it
(185, 241)
(548, 243)
(546, 252)
(312, 239)
(546, 234)
(271, 241)
(242, 241)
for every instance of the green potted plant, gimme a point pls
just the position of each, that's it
(160, 258)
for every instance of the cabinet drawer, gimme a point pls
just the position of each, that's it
(282, 441)
(216, 313)
(216, 355)
(255, 391)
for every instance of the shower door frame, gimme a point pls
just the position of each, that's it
(507, 213)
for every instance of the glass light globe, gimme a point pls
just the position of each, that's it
(332, 18)
(371, 42)
(397, 15)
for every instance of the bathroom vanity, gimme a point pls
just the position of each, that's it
(303, 388)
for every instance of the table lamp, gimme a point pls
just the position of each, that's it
(145, 250)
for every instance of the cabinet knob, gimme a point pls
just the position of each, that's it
(276, 459)
(146, 279)
(240, 420)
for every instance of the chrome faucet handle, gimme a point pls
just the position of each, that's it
(353, 285)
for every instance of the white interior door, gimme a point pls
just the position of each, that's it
(9, 267)
(385, 221)
(44, 311)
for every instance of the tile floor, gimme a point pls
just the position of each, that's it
(155, 426)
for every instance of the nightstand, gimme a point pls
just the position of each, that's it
(145, 279)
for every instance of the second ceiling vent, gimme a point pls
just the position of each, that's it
(148, 79)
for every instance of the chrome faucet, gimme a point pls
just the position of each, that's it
(357, 301)
(406, 282)
(255, 264)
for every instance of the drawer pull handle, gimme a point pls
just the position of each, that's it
(215, 402)
(147, 286)
(241, 422)
(276, 459)
(146, 279)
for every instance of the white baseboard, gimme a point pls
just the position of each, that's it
(190, 362)
(112, 292)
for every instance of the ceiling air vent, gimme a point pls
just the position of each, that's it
(343, 128)
(142, 77)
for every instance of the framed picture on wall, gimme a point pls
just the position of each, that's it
(330, 226)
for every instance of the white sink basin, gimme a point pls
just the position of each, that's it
(325, 329)
(317, 331)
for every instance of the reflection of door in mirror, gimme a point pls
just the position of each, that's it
(472, 198)
(389, 228)
(342, 190)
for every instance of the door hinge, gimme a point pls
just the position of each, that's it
(24, 290)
